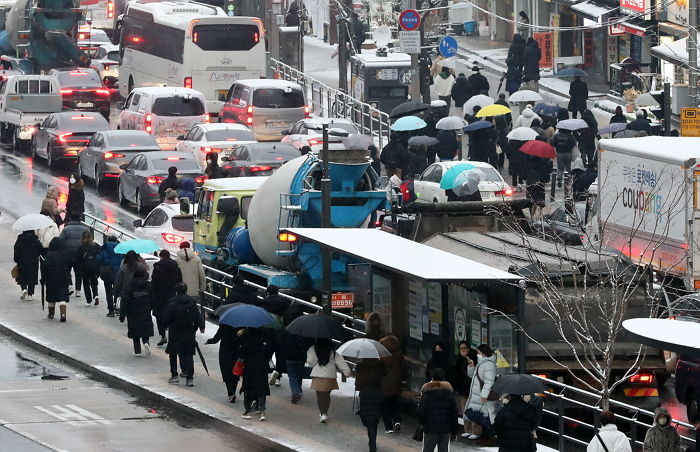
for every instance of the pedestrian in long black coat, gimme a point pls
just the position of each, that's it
(56, 278)
(27, 251)
(417, 160)
(229, 350)
(516, 52)
(255, 353)
(586, 138)
(136, 309)
(482, 145)
(531, 63)
(166, 273)
(88, 262)
(448, 145)
(516, 162)
(460, 90)
(514, 426)
(368, 381)
(478, 84)
(578, 90)
(75, 204)
(72, 235)
(182, 319)
(294, 351)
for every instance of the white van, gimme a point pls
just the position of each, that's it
(165, 112)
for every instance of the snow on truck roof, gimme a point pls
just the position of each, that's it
(235, 183)
(677, 150)
(391, 59)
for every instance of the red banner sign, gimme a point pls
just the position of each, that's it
(342, 300)
(616, 30)
(636, 6)
(545, 41)
(588, 48)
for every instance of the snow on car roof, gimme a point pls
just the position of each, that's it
(268, 83)
(679, 150)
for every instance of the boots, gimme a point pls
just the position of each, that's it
(62, 310)
(52, 311)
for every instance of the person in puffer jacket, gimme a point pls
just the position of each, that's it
(71, 235)
(514, 426)
(662, 437)
(437, 413)
(526, 118)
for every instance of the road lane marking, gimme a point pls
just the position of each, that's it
(73, 414)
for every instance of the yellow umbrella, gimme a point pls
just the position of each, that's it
(492, 110)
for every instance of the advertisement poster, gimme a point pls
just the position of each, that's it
(416, 295)
(475, 333)
(460, 324)
(545, 41)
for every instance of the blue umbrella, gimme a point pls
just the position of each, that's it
(246, 316)
(448, 179)
(545, 109)
(612, 128)
(572, 72)
(408, 123)
(137, 245)
(478, 125)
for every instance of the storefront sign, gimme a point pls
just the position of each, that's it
(416, 297)
(588, 48)
(633, 6)
(545, 41)
(677, 12)
(616, 30)
(690, 122)
(634, 31)
(612, 52)
(554, 21)
(342, 300)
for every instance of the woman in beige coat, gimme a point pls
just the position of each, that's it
(192, 270)
(50, 205)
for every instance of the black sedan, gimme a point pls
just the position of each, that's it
(258, 159)
(107, 151)
(142, 176)
(63, 135)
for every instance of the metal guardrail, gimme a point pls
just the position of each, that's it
(333, 103)
(566, 397)
(219, 280)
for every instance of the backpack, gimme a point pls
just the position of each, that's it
(91, 262)
(408, 192)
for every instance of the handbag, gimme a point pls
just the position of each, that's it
(492, 395)
(418, 434)
(14, 272)
(238, 368)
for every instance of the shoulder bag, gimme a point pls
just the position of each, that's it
(605, 448)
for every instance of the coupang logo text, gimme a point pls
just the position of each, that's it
(643, 196)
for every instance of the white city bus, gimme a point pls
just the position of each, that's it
(189, 44)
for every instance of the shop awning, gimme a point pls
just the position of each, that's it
(672, 29)
(401, 255)
(636, 27)
(675, 52)
(592, 10)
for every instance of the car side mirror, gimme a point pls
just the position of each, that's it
(180, 137)
(120, 105)
(138, 223)
(185, 206)
(122, 166)
(285, 132)
(222, 97)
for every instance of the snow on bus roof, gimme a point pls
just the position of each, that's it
(181, 14)
(677, 150)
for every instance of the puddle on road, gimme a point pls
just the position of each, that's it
(15, 366)
(181, 419)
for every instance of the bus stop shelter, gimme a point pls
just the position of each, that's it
(424, 295)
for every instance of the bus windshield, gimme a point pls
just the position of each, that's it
(236, 37)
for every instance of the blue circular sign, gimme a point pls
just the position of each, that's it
(409, 19)
(447, 46)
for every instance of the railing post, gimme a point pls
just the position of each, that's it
(560, 420)
(553, 187)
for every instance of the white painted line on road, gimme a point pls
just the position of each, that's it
(78, 416)
(17, 429)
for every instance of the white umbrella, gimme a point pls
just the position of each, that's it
(357, 141)
(646, 100)
(522, 134)
(525, 96)
(666, 334)
(451, 123)
(363, 348)
(32, 222)
(572, 124)
(480, 99)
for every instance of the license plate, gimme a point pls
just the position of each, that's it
(278, 124)
(84, 104)
(487, 195)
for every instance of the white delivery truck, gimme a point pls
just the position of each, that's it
(649, 195)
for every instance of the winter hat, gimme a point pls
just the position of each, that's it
(475, 68)
(461, 74)
(184, 245)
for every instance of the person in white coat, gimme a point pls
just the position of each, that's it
(609, 438)
(192, 270)
(325, 364)
(443, 83)
(481, 412)
(526, 117)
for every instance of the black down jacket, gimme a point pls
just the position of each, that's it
(437, 410)
(54, 273)
(460, 90)
(228, 350)
(255, 352)
(182, 318)
(368, 381)
(136, 308)
(71, 234)
(532, 60)
(27, 251)
(514, 425)
(166, 273)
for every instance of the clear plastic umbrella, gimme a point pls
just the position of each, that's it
(467, 183)
(32, 222)
(363, 349)
(572, 124)
(525, 96)
(522, 134)
(480, 99)
(451, 123)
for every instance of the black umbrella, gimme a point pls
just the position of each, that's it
(407, 109)
(317, 326)
(199, 352)
(518, 384)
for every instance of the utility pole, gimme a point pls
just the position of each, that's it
(414, 89)
(343, 40)
(326, 223)
(693, 53)
(302, 16)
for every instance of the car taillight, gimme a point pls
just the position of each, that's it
(188, 82)
(315, 141)
(287, 237)
(104, 92)
(643, 378)
(172, 238)
(149, 121)
(154, 179)
(195, 37)
(249, 119)
(506, 192)
(307, 111)
(66, 91)
(62, 137)
(207, 149)
(201, 179)
(112, 155)
(83, 36)
(258, 168)
(110, 10)
(106, 66)
(207, 118)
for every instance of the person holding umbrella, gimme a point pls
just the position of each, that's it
(393, 156)
(228, 355)
(578, 92)
(564, 143)
(538, 168)
(368, 381)
(294, 351)
(136, 309)
(132, 262)
(182, 319)
(448, 146)
(324, 363)
(255, 355)
(27, 251)
(515, 424)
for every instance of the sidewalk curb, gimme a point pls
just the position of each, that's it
(257, 442)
